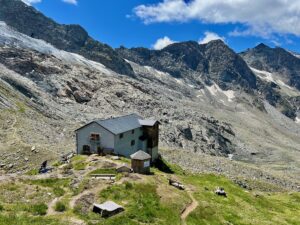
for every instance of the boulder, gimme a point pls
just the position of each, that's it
(81, 97)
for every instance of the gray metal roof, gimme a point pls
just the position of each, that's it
(108, 206)
(147, 122)
(121, 124)
(140, 155)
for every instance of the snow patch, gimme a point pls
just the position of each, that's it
(216, 91)
(264, 75)
(281, 83)
(201, 93)
(270, 78)
(10, 37)
(297, 120)
(156, 72)
(295, 54)
(179, 81)
(230, 95)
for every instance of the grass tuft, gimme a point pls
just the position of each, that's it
(38, 209)
(58, 191)
(104, 171)
(32, 172)
(60, 207)
(50, 182)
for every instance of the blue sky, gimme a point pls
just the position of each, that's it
(241, 24)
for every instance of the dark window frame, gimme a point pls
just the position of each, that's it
(132, 142)
(132, 131)
(121, 135)
(95, 137)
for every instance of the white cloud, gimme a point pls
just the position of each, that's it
(261, 17)
(29, 2)
(162, 43)
(210, 36)
(73, 2)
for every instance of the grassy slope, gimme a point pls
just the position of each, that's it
(151, 200)
(240, 207)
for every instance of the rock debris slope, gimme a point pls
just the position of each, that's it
(207, 98)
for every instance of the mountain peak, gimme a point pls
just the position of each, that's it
(181, 45)
(262, 46)
(216, 42)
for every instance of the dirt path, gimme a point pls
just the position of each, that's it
(190, 208)
(51, 206)
(75, 221)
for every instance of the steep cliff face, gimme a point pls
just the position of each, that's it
(279, 73)
(72, 38)
(212, 62)
(275, 60)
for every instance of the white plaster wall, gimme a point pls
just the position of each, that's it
(83, 137)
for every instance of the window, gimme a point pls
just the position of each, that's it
(95, 137)
(132, 142)
(121, 136)
(132, 131)
(86, 150)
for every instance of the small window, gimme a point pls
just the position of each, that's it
(132, 131)
(121, 135)
(132, 142)
(95, 137)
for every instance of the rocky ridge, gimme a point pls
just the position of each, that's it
(209, 64)
(72, 38)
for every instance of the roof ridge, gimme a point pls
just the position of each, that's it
(117, 117)
(140, 155)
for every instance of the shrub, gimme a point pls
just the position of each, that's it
(39, 209)
(1, 208)
(32, 172)
(57, 164)
(67, 168)
(128, 185)
(79, 165)
(60, 207)
(104, 171)
(58, 191)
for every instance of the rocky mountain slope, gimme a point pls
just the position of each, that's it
(214, 63)
(72, 38)
(198, 64)
(275, 60)
(206, 96)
